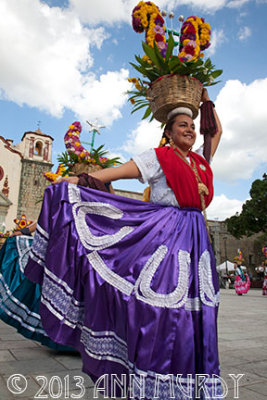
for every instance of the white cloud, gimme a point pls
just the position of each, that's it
(244, 33)
(147, 135)
(221, 207)
(102, 99)
(103, 11)
(209, 5)
(217, 39)
(237, 3)
(112, 12)
(242, 110)
(46, 62)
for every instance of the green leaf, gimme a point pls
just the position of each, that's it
(146, 72)
(216, 73)
(207, 63)
(150, 52)
(147, 112)
(139, 107)
(170, 48)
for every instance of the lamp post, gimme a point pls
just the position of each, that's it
(225, 252)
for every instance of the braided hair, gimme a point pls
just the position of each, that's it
(168, 127)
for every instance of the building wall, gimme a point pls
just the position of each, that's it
(32, 186)
(10, 162)
(225, 246)
(131, 195)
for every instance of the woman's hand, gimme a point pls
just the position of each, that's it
(16, 233)
(205, 95)
(69, 179)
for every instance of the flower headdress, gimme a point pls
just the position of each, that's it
(239, 258)
(77, 154)
(22, 222)
(160, 61)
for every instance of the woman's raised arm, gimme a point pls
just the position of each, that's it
(217, 137)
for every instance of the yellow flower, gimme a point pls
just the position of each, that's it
(71, 127)
(147, 59)
(206, 25)
(138, 86)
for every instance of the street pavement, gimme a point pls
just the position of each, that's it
(48, 374)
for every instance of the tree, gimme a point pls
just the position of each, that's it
(253, 217)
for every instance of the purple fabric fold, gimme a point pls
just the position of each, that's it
(131, 285)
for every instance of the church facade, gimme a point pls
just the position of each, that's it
(21, 176)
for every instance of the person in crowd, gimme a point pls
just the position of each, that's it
(20, 297)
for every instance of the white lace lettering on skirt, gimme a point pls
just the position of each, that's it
(142, 287)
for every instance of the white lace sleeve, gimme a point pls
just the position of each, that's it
(148, 165)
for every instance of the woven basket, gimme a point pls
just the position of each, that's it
(171, 91)
(79, 168)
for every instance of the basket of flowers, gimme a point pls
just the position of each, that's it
(170, 80)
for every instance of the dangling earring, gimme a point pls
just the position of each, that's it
(162, 142)
(171, 142)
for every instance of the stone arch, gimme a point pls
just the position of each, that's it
(38, 148)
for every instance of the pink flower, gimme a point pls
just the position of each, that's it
(192, 43)
(159, 29)
(161, 45)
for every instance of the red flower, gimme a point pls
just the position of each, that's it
(189, 50)
(159, 38)
(190, 29)
(159, 20)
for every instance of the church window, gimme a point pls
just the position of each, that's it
(38, 149)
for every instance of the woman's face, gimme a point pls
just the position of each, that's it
(183, 132)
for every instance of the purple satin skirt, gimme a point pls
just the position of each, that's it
(133, 287)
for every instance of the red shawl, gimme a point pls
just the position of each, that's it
(181, 178)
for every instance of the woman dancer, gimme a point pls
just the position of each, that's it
(133, 285)
(20, 297)
(242, 281)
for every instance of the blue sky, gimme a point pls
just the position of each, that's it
(63, 61)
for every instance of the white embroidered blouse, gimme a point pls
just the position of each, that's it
(152, 173)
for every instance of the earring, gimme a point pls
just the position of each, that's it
(171, 142)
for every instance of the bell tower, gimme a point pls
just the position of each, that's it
(36, 149)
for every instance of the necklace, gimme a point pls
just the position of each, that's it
(202, 188)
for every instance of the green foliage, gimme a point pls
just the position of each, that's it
(157, 66)
(68, 159)
(253, 218)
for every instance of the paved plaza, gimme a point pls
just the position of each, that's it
(242, 344)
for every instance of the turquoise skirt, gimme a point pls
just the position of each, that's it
(19, 297)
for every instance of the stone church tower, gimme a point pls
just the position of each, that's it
(36, 150)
